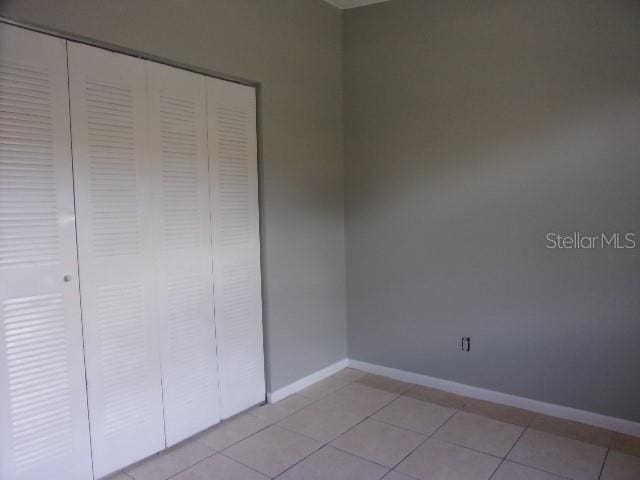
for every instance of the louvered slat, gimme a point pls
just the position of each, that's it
(42, 421)
(112, 166)
(28, 216)
(233, 175)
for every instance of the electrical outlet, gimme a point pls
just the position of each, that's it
(465, 344)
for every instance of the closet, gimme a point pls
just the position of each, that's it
(129, 256)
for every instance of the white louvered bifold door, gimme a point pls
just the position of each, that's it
(236, 244)
(182, 232)
(113, 177)
(44, 433)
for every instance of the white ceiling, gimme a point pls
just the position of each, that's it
(344, 4)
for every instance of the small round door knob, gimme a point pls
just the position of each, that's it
(67, 278)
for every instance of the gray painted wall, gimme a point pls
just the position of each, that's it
(471, 130)
(292, 47)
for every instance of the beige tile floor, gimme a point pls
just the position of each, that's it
(356, 426)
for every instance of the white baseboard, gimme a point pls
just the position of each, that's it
(284, 392)
(568, 413)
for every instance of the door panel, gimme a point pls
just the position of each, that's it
(236, 244)
(113, 178)
(44, 430)
(182, 232)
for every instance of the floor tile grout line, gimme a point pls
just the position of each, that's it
(253, 469)
(223, 452)
(401, 427)
(578, 438)
(328, 444)
(268, 474)
(365, 418)
(432, 436)
(269, 424)
(322, 444)
(535, 467)
(604, 461)
(166, 451)
(248, 412)
(290, 430)
(481, 451)
(234, 443)
(457, 409)
(423, 442)
(426, 439)
(539, 469)
(214, 453)
(574, 438)
(369, 417)
(503, 459)
(397, 395)
(360, 457)
(343, 433)
(330, 392)
(349, 429)
(449, 442)
(300, 461)
(524, 429)
(497, 468)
